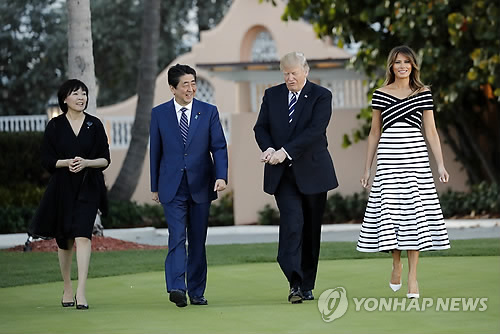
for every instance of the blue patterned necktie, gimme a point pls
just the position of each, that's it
(291, 107)
(183, 125)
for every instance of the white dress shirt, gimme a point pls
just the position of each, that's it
(297, 94)
(178, 111)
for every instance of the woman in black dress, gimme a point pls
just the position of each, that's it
(75, 151)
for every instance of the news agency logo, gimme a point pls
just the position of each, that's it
(333, 304)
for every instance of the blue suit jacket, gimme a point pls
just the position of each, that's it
(204, 157)
(304, 139)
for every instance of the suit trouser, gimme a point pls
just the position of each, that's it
(300, 231)
(184, 215)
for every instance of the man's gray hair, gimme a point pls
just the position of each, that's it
(293, 59)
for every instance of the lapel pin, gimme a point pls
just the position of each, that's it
(196, 116)
(305, 96)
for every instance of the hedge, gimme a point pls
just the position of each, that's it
(21, 160)
(482, 200)
(18, 205)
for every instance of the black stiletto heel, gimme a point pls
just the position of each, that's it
(81, 306)
(67, 304)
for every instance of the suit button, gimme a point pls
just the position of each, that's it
(185, 154)
(182, 169)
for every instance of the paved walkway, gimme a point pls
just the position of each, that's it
(245, 234)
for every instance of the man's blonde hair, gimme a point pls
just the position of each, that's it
(293, 59)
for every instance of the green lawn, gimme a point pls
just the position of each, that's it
(32, 268)
(251, 298)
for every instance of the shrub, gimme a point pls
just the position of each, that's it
(15, 219)
(21, 195)
(344, 209)
(483, 199)
(221, 212)
(21, 161)
(269, 216)
(338, 209)
(125, 214)
(153, 215)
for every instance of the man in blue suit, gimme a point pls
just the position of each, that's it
(188, 158)
(291, 132)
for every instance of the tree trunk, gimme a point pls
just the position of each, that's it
(130, 172)
(479, 154)
(472, 174)
(80, 54)
(81, 59)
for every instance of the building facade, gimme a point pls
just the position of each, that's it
(236, 61)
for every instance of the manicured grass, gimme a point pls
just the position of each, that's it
(251, 298)
(33, 268)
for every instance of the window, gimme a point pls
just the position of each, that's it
(264, 48)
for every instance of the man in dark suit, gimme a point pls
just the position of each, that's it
(291, 132)
(188, 156)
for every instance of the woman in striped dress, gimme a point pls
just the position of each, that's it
(403, 210)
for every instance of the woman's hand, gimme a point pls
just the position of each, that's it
(78, 164)
(365, 179)
(443, 174)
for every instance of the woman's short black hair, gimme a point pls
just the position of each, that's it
(67, 88)
(176, 72)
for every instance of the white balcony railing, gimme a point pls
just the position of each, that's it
(23, 123)
(118, 128)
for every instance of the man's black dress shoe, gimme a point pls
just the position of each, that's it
(307, 295)
(198, 300)
(178, 297)
(295, 296)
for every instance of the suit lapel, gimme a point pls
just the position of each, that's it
(299, 106)
(196, 115)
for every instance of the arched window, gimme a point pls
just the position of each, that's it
(264, 48)
(205, 91)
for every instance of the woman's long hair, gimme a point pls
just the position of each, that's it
(415, 83)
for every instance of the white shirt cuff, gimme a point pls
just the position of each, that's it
(287, 155)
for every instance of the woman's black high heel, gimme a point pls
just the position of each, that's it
(67, 304)
(82, 306)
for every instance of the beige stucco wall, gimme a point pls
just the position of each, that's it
(248, 171)
(223, 44)
(231, 42)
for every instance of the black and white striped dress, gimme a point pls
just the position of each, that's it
(403, 210)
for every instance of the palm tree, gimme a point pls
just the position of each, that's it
(127, 179)
(80, 54)
(81, 60)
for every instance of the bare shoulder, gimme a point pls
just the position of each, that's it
(383, 89)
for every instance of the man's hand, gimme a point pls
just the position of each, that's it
(154, 196)
(220, 185)
(278, 157)
(267, 154)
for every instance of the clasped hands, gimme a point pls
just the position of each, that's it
(77, 164)
(273, 157)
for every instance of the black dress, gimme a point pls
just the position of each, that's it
(69, 205)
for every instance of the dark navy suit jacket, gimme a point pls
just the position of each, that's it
(203, 158)
(304, 139)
